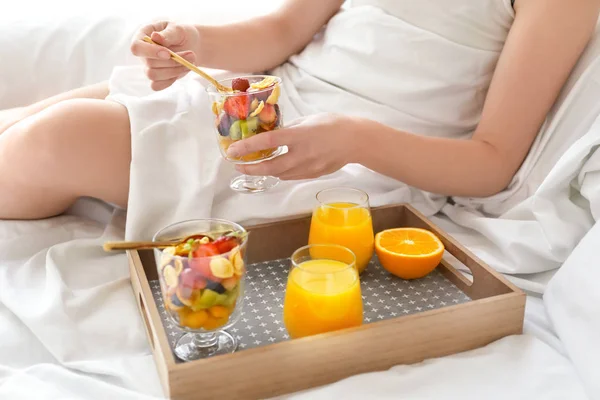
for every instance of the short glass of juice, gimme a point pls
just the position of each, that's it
(323, 291)
(342, 216)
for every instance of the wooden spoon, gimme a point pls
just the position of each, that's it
(176, 57)
(147, 245)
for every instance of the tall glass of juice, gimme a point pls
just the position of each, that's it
(342, 216)
(323, 291)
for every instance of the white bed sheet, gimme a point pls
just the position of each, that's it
(69, 328)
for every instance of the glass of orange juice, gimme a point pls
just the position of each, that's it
(323, 291)
(342, 216)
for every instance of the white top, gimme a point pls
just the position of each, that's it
(482, 23)
(419, 65)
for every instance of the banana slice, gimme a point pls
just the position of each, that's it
(259, 108)
(178, 266)
(265, 83)
(170, 275)
(221, 267)
(238, 262)
(274, 96)
(167, 256)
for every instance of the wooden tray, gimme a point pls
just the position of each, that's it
(496, 310)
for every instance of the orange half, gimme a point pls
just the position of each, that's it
(408, 253)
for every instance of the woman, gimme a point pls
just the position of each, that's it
(462, 131)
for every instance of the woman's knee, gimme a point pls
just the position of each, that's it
(78, 123)
(74, 144)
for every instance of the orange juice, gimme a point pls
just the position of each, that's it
(322, 296)
(344, 224)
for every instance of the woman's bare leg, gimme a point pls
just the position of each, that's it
(66, 149)
(11, 116)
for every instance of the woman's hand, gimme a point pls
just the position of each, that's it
(317, 145)
(161, 70)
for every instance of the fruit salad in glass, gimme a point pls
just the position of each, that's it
(251, 109)
(201, 281)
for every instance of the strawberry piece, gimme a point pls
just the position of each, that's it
(237, 107)
(205, 250)
(225, 244)
(240, 84)
(200, 260)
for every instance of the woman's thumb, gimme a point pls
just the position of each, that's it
(172, 35)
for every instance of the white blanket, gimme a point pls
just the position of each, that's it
(77, 334)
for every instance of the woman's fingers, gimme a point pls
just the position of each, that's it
(164, 33)
(280, 165)
(171, 35)
(155, 63)
(154, 27)
(163, 73)
(161, 69)
(142, 49)
(263, 141)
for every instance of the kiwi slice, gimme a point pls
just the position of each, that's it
(230, 299)
(207, 300)
(235, 131)
(221, 300)
(251, 127)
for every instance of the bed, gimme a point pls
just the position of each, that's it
(69, 326)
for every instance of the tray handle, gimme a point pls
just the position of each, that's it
(486, 281)
(144, 312)
(456, 276)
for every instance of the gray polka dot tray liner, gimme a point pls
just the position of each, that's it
(384, 296)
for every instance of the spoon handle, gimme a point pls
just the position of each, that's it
(116, 246)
